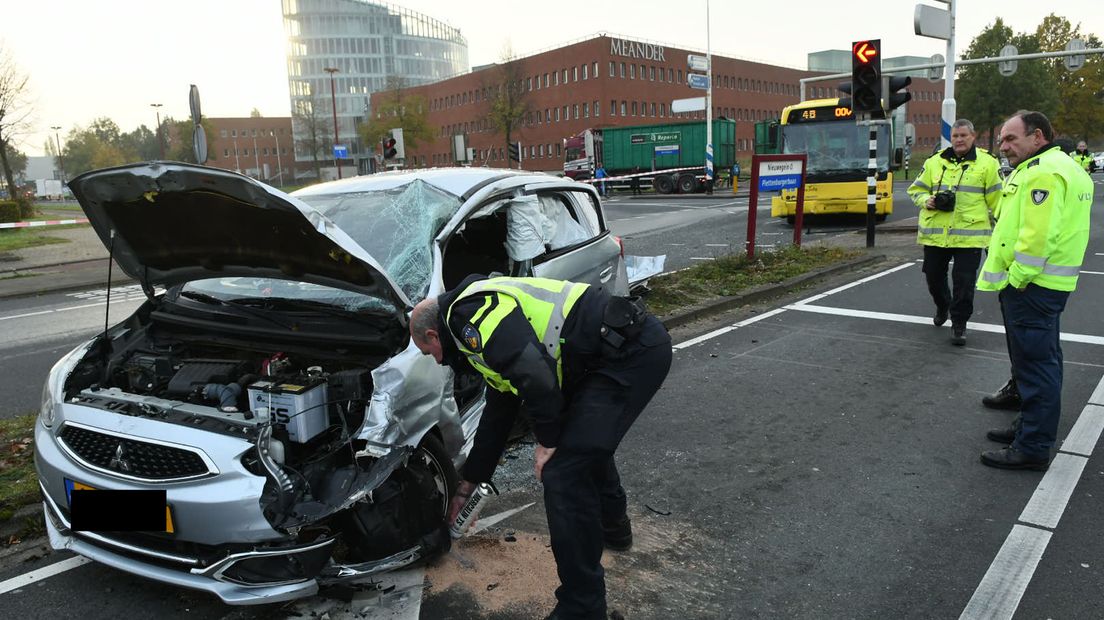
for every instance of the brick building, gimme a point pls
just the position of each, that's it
(259, 147)
(607, 81)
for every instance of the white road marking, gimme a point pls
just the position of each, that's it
(725, 330)
(1085, 433)
(703, 258)
(716, 245)
(999, 593)
(1049, 500)
(45, 572)
(487, 522)
(1093, 273)
(926, 320)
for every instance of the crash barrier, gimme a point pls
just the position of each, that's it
(82, 220)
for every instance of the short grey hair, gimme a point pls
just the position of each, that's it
(424, 317)
(962, 122)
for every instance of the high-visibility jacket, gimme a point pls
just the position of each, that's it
(1043, 228)
(545, 304)
(976, 183)
(1084, 160)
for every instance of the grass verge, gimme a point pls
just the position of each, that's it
(18, 238)
(18, 483)
(729, 275)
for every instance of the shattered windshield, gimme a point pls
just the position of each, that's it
(835, 146)
(396, 226)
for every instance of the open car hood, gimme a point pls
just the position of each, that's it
(167, 223)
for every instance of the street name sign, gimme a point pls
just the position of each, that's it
(697, 80)
(692, 104)
(341, 151)
(775, 176)
(697, 63)
(667, 149)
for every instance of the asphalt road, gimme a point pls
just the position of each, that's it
(811, 456)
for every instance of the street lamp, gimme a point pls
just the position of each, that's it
(160, 143)
(333, 101)
(61, 161)
(279, 164)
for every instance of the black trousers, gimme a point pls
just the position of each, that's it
(582, 488)
(960, 302)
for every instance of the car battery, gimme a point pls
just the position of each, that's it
(299, 405)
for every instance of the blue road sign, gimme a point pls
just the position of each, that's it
(697, 80)
(341, 151)
(667, 149)
(779, 183)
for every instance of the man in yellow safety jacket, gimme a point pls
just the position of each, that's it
(1083, 157)
(956, 192)
(582, 365)
(1034, 259)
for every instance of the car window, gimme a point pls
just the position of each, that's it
(584, 209)
(396, 226)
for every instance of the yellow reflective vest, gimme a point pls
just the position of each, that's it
(1084, 160)
(975, 180)
(545, 303)
(1043, 228)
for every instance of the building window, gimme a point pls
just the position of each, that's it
(565, 111)
(651, 73)
(564, 80)
(558, 145)
(585, 69)
(597, 109)
(663, 109)
(547, 115)
(632, 72)
(622, 69)
(555, 78)
(670, 75)
(613, 107)
(624, 107)
(680, 76)
(595, 71)
(574, 74)
(226, 152)
(653, 108)
(557, 115)
(586, 111)
(613, 69)
(546, 80)
(634, 108)
(643, 72)
(233, 133)
(528, 83)
(222, 133)
(575, 111)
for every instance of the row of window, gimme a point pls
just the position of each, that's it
(245, 133)
(528, 153)
(258, 151)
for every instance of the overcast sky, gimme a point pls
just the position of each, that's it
(93, 58)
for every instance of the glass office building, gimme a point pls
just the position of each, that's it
(362, 47)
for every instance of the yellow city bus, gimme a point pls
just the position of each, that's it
(839, 159)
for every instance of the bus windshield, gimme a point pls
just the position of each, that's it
(835, 147)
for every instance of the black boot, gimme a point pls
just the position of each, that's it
(1002, 435)
(1008, 397)
(958, 335)
(1011, 458)
(941, 315)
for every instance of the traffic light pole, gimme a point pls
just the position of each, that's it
(872, 180)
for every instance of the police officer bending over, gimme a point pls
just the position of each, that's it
(956, 191)
(582, 365)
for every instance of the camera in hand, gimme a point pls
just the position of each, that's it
(944, 201)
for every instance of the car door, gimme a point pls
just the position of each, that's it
(581, 249)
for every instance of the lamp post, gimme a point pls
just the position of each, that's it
(279, 164)
(160, 143)
(333, 101)
(61, 161)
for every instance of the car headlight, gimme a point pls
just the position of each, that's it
(46, 411)
(54, 389)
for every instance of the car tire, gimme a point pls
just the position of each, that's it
(663, 184)
(431, 452)
(688, 184)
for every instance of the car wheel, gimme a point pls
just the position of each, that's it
(663, 184)
(687, 184)
(431, 455)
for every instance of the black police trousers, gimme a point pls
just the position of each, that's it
(582, 489)
(960, 302)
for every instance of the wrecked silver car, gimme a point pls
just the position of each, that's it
(268, 385)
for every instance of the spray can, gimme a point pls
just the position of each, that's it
(470, 512)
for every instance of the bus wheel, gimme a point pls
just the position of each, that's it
(790, 220)
(663, 184)
(687, 184)
(881, 217)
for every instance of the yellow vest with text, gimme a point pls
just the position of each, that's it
(976, 184)
(545, 304)
(1043, 228)
(1085, 161)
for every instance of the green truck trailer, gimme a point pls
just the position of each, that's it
(672, 155)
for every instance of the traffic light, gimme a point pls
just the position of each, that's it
(515, 151)
(845, 88)
(866, 76)
(890, 86)
(399, 144)
(389, 150)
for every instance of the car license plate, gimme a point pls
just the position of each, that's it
(72, 485)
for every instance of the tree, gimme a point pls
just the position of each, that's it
(509, 106)
(15, 113)
(398, 109)
(255, 113)
(179, 139)
(1079, 110)
(312, 129)
(16, 159)
(987, 98)
(97, 146)
(142, 143)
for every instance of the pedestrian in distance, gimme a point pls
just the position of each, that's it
(1033, 262)
(1083, 157)
(582, 365)
(956, 192)
(635, 183)
(601, 175)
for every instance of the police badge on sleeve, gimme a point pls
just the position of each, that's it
(470, 335)
(1038, 196)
